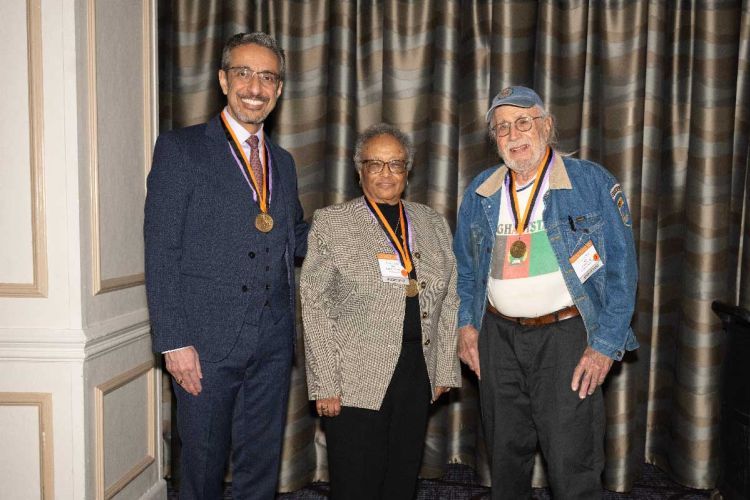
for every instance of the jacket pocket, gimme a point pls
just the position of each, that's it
(579, 229)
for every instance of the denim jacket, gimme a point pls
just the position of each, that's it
(584, 203)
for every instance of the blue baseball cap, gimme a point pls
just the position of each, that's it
(520, 97)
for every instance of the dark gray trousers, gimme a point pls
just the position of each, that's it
(526, 401)
(243, 402)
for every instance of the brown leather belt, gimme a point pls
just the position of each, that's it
(553, 317)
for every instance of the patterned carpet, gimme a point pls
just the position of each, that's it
(460, 483)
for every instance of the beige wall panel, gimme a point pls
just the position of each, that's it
(16, 258)
(47, 386)
(20, 153)
(122, 137)
(26, 457)
(126, 423)
(19, 454)
(113, 277)
(51, 301)
(111, 375)
(126, 428)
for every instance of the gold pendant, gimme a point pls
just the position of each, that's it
(412, 289)
(263, 222)
(518, 249)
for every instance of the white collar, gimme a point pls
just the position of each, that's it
(240, 132)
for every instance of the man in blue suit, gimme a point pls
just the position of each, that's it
(223, 226)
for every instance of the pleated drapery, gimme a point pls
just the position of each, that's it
(656, 91)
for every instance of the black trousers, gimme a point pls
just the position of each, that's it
(377, 454)
(526, 401)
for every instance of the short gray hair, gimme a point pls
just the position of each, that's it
(378, 130)
(256, 38)
(551, 140)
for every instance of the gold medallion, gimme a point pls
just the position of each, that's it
(412, 290)
(518, 249)
(263, 222)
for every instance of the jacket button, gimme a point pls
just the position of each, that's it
(268, 287)
(417, 255)
(424, 315)
(244, 288)
(423, 285)
(251, 255)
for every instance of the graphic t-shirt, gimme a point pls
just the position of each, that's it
(531, 284)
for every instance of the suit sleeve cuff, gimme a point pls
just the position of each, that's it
(173, 350)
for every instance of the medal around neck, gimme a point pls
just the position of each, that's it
(412, 289)
(403, 266)
(518, 249)
(261, 186)
(263, 222)
(522, 220)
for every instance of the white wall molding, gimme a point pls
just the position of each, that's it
(51, 344)
(116, 340)
(116, 324)
(41, 344)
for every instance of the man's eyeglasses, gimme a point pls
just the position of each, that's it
(522, 124)
(266, 78)
(377, 166)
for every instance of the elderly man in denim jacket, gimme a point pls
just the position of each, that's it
(547, 278)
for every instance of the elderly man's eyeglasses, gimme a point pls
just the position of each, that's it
(522, 124)
(266, 78)
(377, 166)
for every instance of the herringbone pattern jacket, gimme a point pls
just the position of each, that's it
(353, 321)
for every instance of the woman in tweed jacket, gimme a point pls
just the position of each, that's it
(379, 305)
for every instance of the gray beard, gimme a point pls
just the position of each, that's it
(525, 167)
(252, 121)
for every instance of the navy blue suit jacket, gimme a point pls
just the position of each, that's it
(198, 229)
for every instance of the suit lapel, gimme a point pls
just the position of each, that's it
(279, 184)
(222, 163)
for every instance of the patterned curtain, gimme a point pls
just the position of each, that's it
(656, 91)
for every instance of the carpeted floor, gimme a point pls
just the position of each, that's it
(460, 483)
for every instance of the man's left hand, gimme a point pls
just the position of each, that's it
(590, 373)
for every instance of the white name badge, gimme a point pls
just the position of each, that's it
(586, 262)
(391, 270)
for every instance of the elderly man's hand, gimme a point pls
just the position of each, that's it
(468, 347)
(185, 367)
(328, 407)
(590, 373)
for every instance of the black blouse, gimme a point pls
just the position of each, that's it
(412, 324)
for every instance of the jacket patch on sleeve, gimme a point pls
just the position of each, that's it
(619, 199)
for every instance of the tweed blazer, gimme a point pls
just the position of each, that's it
(353, 321)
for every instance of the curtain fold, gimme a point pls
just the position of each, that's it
(658, 92)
